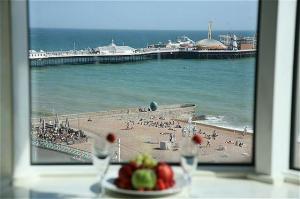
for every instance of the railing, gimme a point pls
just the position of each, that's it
(86, 53)
(87, 156)
(62, 148)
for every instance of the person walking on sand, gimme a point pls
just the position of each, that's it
(214, 134)
(208, 143)
(245, 131)
(171, 138)
(174, 137)
(127, 125)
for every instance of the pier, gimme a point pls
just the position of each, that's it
(229, 47)
(81, 57)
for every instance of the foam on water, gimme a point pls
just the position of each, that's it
(220, 121)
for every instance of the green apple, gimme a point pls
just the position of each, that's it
(143, 179)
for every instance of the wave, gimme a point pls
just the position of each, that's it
(220, 121)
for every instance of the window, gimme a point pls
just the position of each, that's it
(295, 138)
(142, 72)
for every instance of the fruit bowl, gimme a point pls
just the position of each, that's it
(181, 182)
(145, 176)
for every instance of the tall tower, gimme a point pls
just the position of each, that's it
(209, 30)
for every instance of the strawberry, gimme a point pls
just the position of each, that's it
(197, 139)
(111, 138)
(160, 185)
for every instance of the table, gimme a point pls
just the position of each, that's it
(203, 186)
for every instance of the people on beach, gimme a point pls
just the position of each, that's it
(208, 143)
(214, 134)
(229, 142)
(58, 133)
(178, 125)
(140, 109)
(172, 138)
(245, 131)
(129, 124)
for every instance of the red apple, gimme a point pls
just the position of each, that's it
(123, 183)
(125, 171)
(133, 166)
(160, 185)
(164, 172)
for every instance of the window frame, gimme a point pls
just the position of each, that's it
(6, 105)
(206, 165)
(273, 15)
(295, 95)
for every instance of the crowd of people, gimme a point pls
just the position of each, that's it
(58, 133)
(160, 123)
(172, 125)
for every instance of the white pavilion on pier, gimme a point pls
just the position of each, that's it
(114, 49)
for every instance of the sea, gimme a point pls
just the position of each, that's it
(223, 90)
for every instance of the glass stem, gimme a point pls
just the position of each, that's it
(189, 186)
(101, 179)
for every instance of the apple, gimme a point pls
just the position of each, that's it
(143, 179)
(165, 173)
(160, 185)
(123, 183)
(125, 171)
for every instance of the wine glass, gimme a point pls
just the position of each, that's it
(188, 160)
(189, 151)
(101, 158)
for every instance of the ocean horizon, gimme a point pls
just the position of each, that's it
(223, 90)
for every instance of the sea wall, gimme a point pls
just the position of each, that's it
(176, 111)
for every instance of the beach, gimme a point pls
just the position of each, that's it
(144, 137)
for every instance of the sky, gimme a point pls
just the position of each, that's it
(144, 15)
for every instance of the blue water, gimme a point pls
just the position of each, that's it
(63, 39)
(221, 89)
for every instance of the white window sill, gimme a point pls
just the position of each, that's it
(292, 176)
(204, 186)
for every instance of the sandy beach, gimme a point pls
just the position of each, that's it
(144, 136)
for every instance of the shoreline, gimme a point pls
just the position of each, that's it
(236, 129)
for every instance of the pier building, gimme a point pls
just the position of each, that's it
(210, 43)
(114, 49)
(181, 42)
(243, 43)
